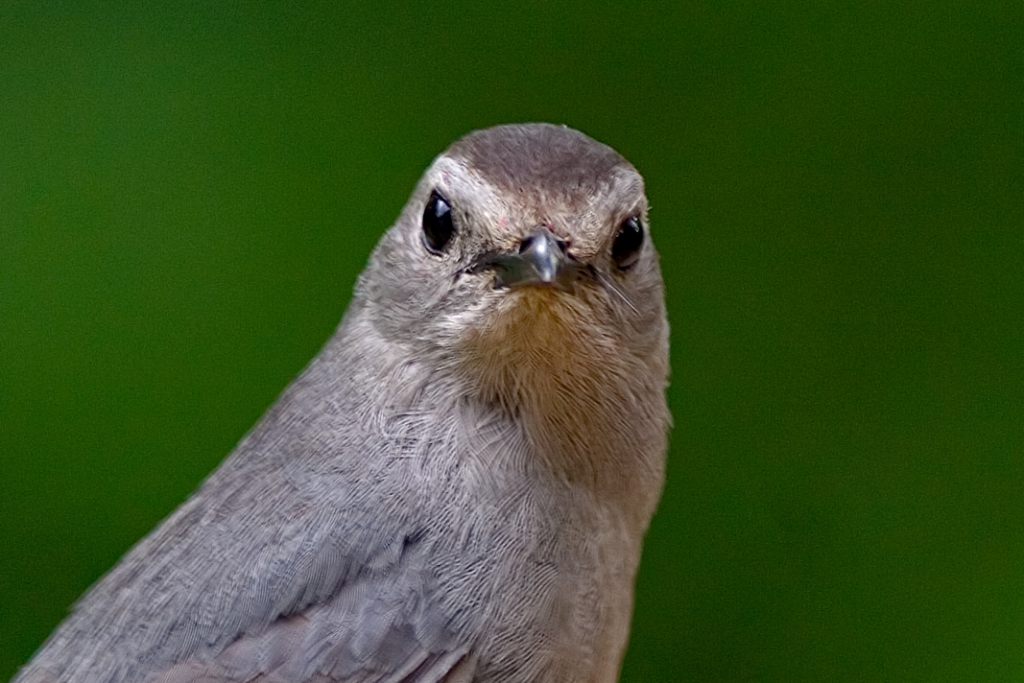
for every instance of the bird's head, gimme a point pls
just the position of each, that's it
(523, 262)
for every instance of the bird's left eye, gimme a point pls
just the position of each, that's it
(438, 228)
(629, 239)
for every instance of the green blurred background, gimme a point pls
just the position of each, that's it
(188, 190)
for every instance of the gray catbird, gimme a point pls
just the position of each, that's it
(457, 487)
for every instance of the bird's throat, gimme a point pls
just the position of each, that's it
(548, 362)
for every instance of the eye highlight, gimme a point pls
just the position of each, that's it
(628, 241)
(438, 228)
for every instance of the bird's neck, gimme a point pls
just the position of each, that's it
(594, 415)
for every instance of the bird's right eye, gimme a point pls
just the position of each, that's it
(629, 239)
(438, 228)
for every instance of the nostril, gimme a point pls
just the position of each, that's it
(527, 243)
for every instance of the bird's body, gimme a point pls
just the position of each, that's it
(457, 487)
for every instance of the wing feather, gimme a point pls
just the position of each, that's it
(300, 559)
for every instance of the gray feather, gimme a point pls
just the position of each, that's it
(455, 489)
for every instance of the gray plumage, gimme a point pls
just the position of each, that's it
(457, 487)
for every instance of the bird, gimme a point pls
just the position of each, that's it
(457, 487)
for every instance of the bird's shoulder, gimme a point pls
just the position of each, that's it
(309, 541)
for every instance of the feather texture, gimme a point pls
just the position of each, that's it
(456, 488)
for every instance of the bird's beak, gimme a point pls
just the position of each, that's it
(542, 260)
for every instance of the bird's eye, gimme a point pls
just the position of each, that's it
(629, 239)
(438, 228)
